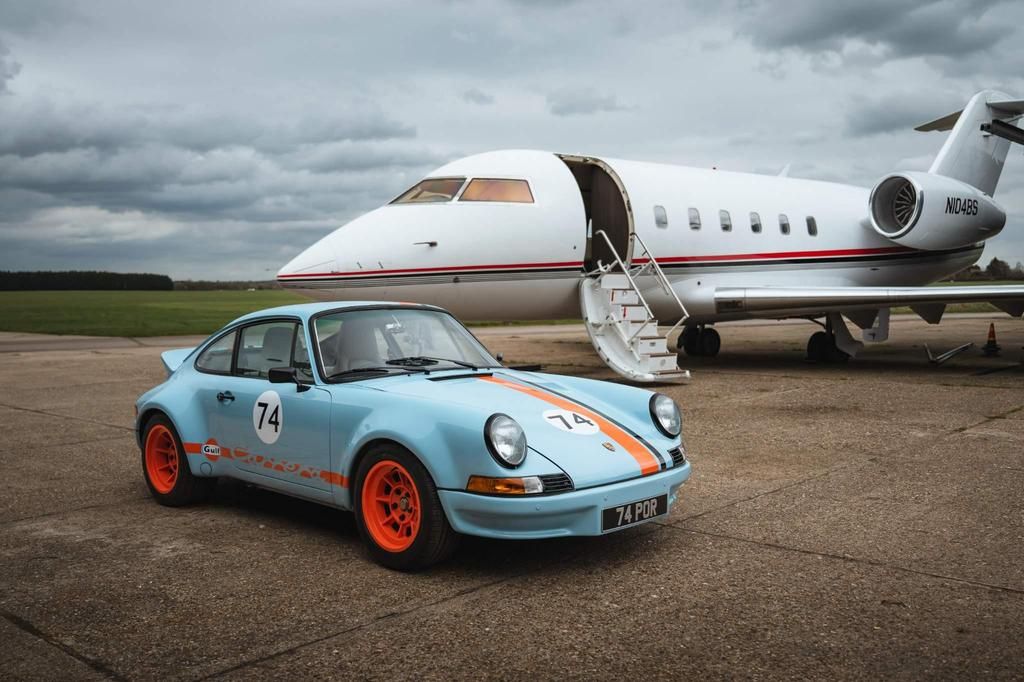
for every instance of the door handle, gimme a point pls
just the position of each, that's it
(225, 396)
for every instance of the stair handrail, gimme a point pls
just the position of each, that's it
(663, 281)
(632, 283)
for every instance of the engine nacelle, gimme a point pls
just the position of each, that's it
(933, 212)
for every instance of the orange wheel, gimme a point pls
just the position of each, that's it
(162, 460)
(390, 505)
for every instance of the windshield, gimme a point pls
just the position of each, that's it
(431, 190)
(395, 340)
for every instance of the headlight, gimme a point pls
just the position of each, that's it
(505, 439)
(665, 414)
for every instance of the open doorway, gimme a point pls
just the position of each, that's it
(607, 208)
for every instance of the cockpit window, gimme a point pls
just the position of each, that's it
(431, 190)
(484, 189)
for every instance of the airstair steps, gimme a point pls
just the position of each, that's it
(620, 323)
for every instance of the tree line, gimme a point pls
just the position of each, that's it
(71, 280)
(995, 270)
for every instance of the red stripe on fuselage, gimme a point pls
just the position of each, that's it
(715, 258)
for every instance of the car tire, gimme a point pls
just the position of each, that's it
(398, 511)
(165, 466)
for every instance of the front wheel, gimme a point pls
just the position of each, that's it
(398, 511)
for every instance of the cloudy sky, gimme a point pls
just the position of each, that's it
(216, 140)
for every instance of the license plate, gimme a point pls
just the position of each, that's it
(634, 512)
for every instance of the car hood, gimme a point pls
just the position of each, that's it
(592, 441)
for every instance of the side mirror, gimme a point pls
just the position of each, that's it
(286, 375)
(500, 357)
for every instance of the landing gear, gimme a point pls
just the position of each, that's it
(821, 347)
(700, 341)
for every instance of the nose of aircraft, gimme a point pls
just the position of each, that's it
(317, 258)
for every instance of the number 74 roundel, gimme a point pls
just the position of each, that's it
(570, 421)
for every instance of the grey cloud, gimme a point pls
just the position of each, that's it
(581, 102)
(901, 28)
(898, 112)
(40, 126)
(8, 68)
(475, 96)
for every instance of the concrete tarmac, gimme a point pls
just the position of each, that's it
(855, 521)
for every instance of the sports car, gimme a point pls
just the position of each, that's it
(399, 414)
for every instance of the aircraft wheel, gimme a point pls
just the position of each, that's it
(689, 341)
(709, 342)
(819, 347)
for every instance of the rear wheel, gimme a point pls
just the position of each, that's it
(165, 466)
(398, 511)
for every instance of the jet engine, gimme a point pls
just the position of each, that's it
(933, 212)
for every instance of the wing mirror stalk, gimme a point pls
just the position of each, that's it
(287, 375)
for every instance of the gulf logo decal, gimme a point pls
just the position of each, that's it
(645, 459)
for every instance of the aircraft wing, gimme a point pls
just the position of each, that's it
(928, 302)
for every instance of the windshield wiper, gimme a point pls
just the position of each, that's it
(419, 360)
(379, 370)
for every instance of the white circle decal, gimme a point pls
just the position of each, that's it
(267, 417)
(573, 422)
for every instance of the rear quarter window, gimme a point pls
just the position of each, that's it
(216, 359)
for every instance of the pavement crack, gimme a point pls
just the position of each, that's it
(361, 626)
(100, 505)
(28, 628)
(851, 559)
(66, 416)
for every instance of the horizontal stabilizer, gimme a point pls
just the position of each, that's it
(1005, 108)
(943, 123)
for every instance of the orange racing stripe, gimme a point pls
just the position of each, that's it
(648, 463)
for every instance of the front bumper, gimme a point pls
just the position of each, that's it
(549, 516)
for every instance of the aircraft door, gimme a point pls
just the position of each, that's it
(607, 210)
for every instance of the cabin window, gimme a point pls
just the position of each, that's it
(660, 217)
(812, 226)
(509, 191)
(755, 223)
(783, 223)
(694, 219)
(723, 217)
(431, 190)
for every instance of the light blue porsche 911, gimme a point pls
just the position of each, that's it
(399, 414)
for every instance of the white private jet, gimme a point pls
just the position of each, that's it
(525, 235)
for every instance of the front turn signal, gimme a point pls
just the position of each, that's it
(527, 485)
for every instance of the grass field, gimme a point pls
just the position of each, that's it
(166, 313)
(131, 313)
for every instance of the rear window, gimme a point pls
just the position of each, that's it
(512, 191)
(431, 190)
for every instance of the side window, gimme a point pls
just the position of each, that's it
(216, 359)
(660, 216)
(511, 191)
(783, 223)
(723, 217)
(264, 346)
(755, 223)
(812, 226)
(694, 219)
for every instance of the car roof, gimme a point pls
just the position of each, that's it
(304, 311)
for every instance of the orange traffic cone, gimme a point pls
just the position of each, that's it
(991, 348)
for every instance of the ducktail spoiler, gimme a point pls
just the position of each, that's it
(172, 359)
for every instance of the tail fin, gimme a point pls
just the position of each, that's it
(982, 131)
